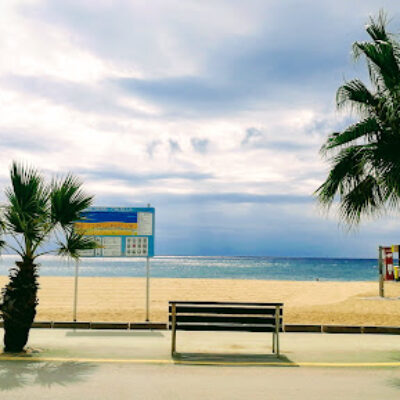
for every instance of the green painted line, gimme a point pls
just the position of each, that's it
(199, 362)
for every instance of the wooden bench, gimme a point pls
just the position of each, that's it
(223, 316)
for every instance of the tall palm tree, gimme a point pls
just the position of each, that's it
(37, 219)
(365, 157)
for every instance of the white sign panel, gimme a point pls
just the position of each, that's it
(111, 246)
(145, 223)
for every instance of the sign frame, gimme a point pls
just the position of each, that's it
(149, 240)
(141, 212)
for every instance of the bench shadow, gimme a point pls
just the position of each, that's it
(230, 359)
(113, 333)
(19, 374)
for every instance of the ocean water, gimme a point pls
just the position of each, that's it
(271, 268)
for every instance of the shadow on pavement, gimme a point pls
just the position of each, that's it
(18, 374)
(232, 359)
(114, 333)
(395, 382)
(395, 355)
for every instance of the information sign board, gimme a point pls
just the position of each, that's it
(119, 231)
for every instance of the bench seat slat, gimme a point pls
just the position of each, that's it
(225, 303)
(225, 310)
(225, 319)
(221, 327)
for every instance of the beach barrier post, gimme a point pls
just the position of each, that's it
(147, 288)
(381, 278)
(76, 289)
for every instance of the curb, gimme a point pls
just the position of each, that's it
(389, 330)
(67, 325)
(342, 329)
(300, 328)
(109, 325)
(148, 325)
(96, 325)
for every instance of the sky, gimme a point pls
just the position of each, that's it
(211, 111)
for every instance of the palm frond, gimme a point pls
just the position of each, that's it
(355, 95)
(27, 209)
(68, 200)
(366, 198)
(2, 229)
(367, 128)
(383, 65)
(349, 168)
(388, 164)
(74, 243)
(377, 28)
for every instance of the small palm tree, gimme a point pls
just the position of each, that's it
(36, 215)
(365, 157)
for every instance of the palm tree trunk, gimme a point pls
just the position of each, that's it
(19, 305)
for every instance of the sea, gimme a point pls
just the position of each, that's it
(221, 267)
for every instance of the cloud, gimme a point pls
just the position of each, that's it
(95, 98)
(174, 146)
(250, 134)
(230, 199)
(256, 139)
(238, 62)
(200, 145)
(151, 147)
(20, 139)
(139, 179)
(184, 95)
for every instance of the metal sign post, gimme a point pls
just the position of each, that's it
(76, 289)
(147, 288)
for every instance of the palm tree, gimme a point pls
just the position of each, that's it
(365, 157)
(37, 219)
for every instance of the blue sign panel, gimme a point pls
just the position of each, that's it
(119, 231)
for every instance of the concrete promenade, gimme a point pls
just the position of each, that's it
(68, 364)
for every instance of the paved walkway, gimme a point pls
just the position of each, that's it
(137, 364)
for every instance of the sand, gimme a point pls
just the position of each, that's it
(123, 299)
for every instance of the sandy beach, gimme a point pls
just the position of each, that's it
(123, 299)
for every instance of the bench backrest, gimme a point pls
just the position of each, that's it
(225, 316)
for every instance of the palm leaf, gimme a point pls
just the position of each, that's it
(377, 28)
(2, 229)
(356, 95)
(383, 66)
(74, 243)
(366, 128)
(366, 198)
(68, 200)
(349, 167)
(27, 209)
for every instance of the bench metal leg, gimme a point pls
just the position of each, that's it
(277, 328)
(273, 342)
(173, 334)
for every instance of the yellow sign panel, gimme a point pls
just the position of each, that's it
(88, 225)
(107, 228)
